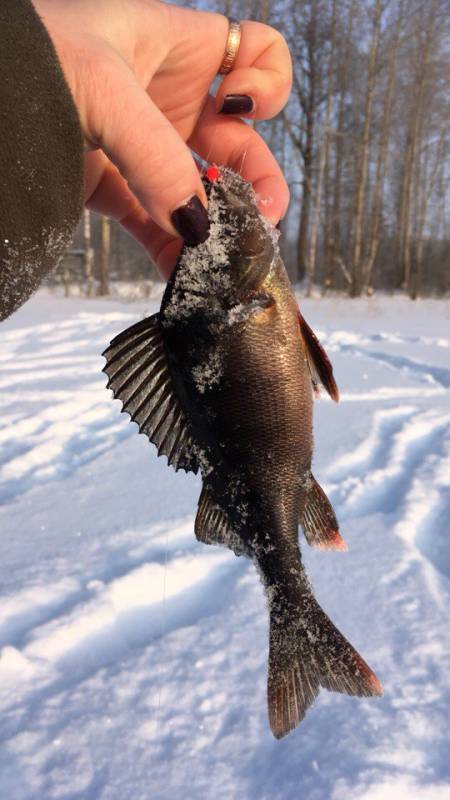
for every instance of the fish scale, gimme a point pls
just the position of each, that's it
(224, 377)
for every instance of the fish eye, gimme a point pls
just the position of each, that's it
(252, 239)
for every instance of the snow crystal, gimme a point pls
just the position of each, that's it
(208, 373)
(205, 465)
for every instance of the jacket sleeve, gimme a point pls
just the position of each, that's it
(41, 156)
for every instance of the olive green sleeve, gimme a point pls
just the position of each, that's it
(41, 156)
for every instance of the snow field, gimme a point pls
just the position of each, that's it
(133, 658)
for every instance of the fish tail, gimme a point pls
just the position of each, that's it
(306, 652)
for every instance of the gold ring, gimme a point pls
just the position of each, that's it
(231, 48)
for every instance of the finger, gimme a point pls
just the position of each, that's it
(149, 154)
(262, 71)
(223, 140)
(112, 197)
(106, 191)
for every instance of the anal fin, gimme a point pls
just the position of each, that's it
(318, 520)
(212, 525)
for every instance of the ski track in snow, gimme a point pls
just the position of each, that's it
(133, 660)
(66, 418)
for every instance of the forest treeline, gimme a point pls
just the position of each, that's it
(364, 141)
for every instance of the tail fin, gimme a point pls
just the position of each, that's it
(306, 652)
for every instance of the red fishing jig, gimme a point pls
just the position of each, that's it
(213, 174)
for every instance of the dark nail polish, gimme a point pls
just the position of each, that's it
(237, 104)
(191, 221)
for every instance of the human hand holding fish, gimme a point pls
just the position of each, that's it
(221, 380)
(140, 72)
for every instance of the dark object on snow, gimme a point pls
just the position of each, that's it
(41, 156)
(220, 380)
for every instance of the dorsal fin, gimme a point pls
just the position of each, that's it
(212, 525)
(319, 363)
(136, 366)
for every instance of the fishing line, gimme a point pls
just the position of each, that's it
(162, 630)
(241, 168)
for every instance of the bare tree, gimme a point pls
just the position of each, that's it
(105, 249)
(363, 155)
(381, 167)
(424, 38)
(88, 255)
(323, 154)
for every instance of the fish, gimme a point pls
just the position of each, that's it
(222, 381)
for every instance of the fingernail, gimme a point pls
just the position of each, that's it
(191, 221)
(237, 104)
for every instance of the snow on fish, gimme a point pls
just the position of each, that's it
(221, 380)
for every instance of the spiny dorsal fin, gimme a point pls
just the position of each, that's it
(212, 525)
(136, 366)
(318, 520)
(319, 363)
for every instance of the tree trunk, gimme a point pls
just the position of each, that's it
(377, 199)
(105, 249)
(429, 181)
(309, 109)
(302, 241)
(88, 253)
(323, 157)
(412, 144)
(362, 170)
(343, 77)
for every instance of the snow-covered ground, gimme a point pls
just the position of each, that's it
(133, 662)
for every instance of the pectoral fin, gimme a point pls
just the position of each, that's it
(212, 525)
(318, 520)
(138, 375)
(318, 361)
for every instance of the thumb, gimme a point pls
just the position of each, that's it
(153, 158)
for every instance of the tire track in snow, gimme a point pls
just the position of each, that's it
(382, 483)
(37, 603)
(53, 432)
(344, 337)
(439, 375)
(58, 448)
(371, 453)
(345, 342)
(32, 606)
(118, 618)
(424, 522)
(59, 634)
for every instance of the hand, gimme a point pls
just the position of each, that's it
(140, 73)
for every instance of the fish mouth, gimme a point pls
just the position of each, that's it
(235, 199)
(231, 191)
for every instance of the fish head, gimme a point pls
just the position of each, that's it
(236, 220)
(229, 268)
